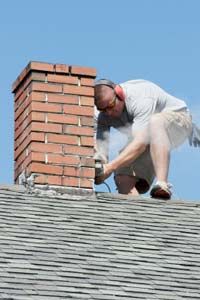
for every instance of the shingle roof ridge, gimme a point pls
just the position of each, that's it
(147, 199)
(144, 200)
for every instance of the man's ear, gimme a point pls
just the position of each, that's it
(119, 92)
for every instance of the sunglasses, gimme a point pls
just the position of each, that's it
(111, 105)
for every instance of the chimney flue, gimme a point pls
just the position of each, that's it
(54, 129)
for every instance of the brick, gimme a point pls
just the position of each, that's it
(41, 66)
(33, 116)
(32, 137)
(21, 139)
(45, 87)
(78, 90)
(78, 70)
(20, 92)
(71, 181)
(20, 159)
(62, 68)
(37, 126)
(57, 180)
(42, 179)
(19, 80)
(71, 119)
(23, 86)
(22, 146)
(78, 150)
(33, 157)
(33, 100)
(37, 116)
(62, 79)
(78, 110)
(87, 141)
(87, 121)
(25, 89)
(60, 159)
(21, 129)
(40, 117)
(20, 109)
(22, 117)
(86, 183)
(78, 130)
(36, 156)
(46, 127)
(68, 99)
(87, 81)
(46, 107)
(18, 171)
(24, 160)
(48, 179)
(62, 118)
(25, 133)
(37, 136)
(87, 172)
(62, 139)
(87, 101)
(37, 96)
(71, 171)
(38, 76)
(46, 148)
(87, 161)
(44, 168)
(20, 100)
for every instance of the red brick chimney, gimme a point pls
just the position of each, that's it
(54, 130)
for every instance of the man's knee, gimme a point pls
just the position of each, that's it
(124, 183)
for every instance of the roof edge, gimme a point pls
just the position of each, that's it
(99, 195)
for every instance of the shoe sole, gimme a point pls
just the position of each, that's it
(160, 194)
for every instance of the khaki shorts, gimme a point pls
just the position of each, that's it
(178, 126)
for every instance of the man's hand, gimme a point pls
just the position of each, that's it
(107, 171)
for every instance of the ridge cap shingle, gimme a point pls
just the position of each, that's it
(99, 195)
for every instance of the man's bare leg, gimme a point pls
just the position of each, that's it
(160, 154)
(126, 184)
(159, 147)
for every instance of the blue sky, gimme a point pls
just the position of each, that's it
(155, 40)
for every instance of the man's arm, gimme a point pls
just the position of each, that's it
(145, 108)
(142, 113)
(128, 155)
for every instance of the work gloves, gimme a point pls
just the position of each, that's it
(194, 138)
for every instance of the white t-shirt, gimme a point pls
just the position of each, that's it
(142, 99)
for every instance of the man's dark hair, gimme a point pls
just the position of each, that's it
(105, 82)
(100, 88)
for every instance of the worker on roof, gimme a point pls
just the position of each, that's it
(154, 121)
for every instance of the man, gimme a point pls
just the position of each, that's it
(154, 122)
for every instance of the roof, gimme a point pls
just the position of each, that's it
(104, 246)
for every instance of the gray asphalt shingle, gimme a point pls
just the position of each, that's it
(97, 247)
